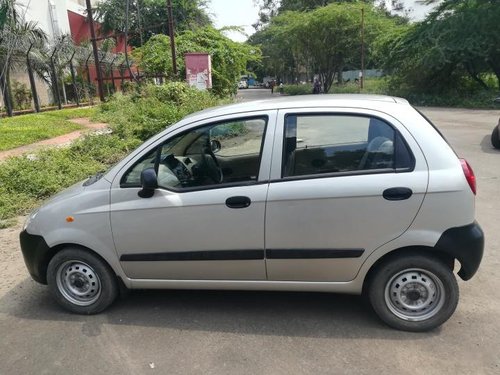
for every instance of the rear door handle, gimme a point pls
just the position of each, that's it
(397, 193)
(238, 202)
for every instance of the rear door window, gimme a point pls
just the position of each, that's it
(324, 144)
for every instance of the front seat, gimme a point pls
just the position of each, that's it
(378, 154)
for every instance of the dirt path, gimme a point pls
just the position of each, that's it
(62, 140)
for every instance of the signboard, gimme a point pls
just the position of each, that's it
(198, 70)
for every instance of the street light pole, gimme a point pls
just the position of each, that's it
(172, 37)
(96, 54)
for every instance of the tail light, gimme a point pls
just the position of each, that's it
(469, 175)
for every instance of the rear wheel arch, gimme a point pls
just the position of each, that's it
(409, 250)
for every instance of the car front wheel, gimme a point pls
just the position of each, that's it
(414, 292)
(81, 282)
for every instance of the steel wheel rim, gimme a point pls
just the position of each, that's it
(414, 294)
(78, 283)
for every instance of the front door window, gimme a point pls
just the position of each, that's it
(216, 154)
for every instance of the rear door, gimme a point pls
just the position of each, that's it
(343, 182)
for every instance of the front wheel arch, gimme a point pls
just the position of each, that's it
(57, 248)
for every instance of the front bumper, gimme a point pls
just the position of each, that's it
(465, 244)
(36, 255)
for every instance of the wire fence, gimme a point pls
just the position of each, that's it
(68, 72)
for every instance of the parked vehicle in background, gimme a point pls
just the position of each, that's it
(495, 136)
(243, 84)
(333, 193)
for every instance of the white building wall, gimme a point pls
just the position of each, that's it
(40, 12)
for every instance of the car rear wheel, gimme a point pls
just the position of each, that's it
(414, 292)
(81, 282)
(495, 137)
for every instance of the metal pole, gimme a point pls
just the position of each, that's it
(55, 81)
(73, 79)
(362, 78)
(94, 48)
(172, 37)
(91, 99)
(112, 73)
(36, 102)
(122, 75)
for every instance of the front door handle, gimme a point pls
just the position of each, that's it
(238, 202)
(397, 193)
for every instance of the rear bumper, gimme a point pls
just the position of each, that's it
(465, 244)
(36, 255)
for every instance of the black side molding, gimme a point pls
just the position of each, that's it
(194, 255)
(465, 244)
(313, 253)
(243, 255)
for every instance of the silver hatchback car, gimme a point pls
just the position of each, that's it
(346, 194)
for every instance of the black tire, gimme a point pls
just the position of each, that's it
(401, 292)
(495, 137)
(81, 282)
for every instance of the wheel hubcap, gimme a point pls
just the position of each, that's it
(78, 283)
(414, 295)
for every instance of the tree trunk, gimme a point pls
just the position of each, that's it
(474, 75)
(6, 93)
(494, 63)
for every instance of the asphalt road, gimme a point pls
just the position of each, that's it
(200, 332)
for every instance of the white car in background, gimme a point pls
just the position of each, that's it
(243, 84)
(332, 193)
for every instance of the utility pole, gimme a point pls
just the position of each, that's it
(94, 48)
(171, 32)
(139, 22)
(362, 77)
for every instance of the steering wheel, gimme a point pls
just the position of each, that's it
(214, 170)
(178, 168)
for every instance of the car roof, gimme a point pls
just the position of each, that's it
(299, 101)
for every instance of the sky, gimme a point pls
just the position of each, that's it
(234, 13)
(245, 12)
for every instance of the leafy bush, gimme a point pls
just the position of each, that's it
(143, 113)
(297, 89)
(22, 95)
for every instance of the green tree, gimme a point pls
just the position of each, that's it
(460, 37)
(154, 56)
(149, 17)
(229, 58)
(325, 41)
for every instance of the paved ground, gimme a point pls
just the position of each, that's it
(191, 332)
(62, 140)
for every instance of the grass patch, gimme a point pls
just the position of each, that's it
(26, 129)
(134, 117)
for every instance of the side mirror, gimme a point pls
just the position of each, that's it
(149, 183)
(215, 145)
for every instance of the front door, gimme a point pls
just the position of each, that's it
(206, 219)
(344, 184)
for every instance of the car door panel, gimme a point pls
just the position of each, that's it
(185, 228)
(326, 226)
(197, 233)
